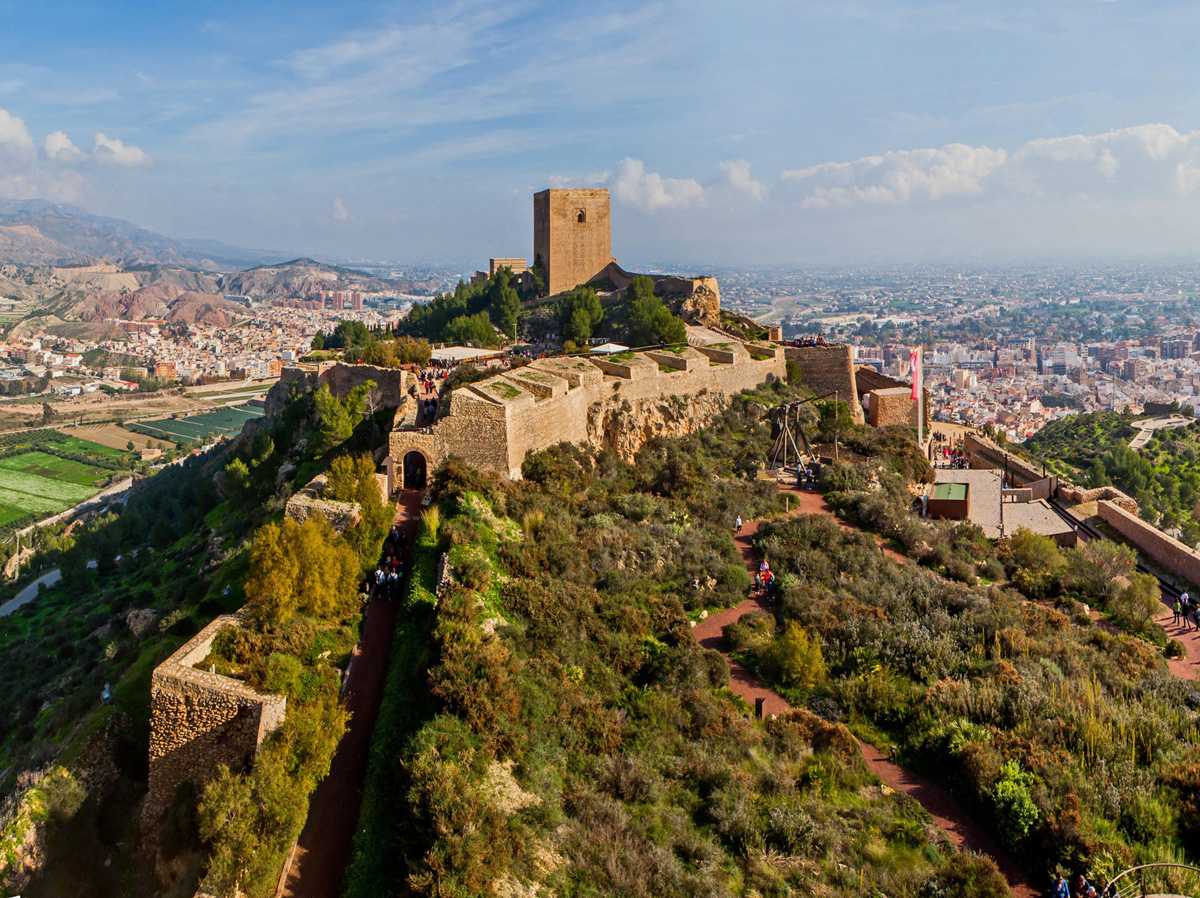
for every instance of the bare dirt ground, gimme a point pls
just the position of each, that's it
(113, 435)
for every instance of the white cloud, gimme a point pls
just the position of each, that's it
(15, 141)
(737, 176)
(111, 151)
(955, 170)
(1153, 161)
(58, 147)
(650, 191)
(339, 210)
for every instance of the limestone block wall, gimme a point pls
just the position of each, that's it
(391, 383)
(867, 379)
(828, 369)
(308, 502)
(614, 404)
(200, 720)
(1075, 495)
(1166, 550)
(571, 234)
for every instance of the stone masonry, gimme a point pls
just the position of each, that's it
(571, 235)
(616, 402)
(391, 384)
(308, 502)
(828, 369)
(200, 720)
(1166, 550)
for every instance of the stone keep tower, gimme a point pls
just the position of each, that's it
(571, 235)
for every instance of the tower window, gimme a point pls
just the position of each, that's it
(581, 216)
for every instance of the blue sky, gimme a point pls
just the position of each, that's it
(756, 132)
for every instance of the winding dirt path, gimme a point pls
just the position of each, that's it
(319, 859)
(948, 814)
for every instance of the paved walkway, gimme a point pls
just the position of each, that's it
(320, 857)
(947, 813)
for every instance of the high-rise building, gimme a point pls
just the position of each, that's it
(356, 301)
(339, 301)
(571, 235)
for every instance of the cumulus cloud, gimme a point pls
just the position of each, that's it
(897, 177)
(111, 151)
(339, 210)
(14, 136)
(1152, 161)
(737, 175)
(650, 191)
(58, 147)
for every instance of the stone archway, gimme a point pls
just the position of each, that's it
(415, 470)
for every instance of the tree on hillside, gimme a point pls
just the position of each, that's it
(336, 419)
(649, 320)
(506, 310)
(349, 333)
(301, 569)
(474, 329)
(579, 314)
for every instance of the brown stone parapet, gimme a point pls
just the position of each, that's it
(200, 720)
(637, 368)
(1166, 550)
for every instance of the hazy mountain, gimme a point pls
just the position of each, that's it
(303, 277)
(34, 232)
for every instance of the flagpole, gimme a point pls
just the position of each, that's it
(920, 396)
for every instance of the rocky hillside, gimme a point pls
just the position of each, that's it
(302, 277)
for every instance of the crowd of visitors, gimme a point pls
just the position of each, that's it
(818, 340)
(947, 452)
(1083, 888)
(390, 570)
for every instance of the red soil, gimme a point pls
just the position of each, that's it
(324, 846)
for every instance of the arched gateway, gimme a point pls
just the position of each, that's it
(415, 470)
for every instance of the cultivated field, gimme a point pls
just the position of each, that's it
(112, 436)
(197, 428)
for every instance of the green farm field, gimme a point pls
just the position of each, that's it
(197, 428)
(42, 464)
(35, 482)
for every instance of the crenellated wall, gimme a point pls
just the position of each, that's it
(613, 403)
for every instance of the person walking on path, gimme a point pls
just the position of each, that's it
(1175, 613)
(737, 524)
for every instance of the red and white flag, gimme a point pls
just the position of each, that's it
(915, 358)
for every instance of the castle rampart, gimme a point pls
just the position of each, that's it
(828, 369)
(391, 384)
(614, 402)
(201, 720)
(1164, 549)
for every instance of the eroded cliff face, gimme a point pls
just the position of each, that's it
(627, 426)
(695, 300)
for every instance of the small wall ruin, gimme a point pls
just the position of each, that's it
(308, 502)
(201, 720)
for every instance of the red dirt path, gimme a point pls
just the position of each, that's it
(324, 846)
(947, 813)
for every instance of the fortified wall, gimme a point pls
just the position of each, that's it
(1166, 550)
(983, 453)
(201, 720)
(828, 369)
(615, 402)
(391, 384)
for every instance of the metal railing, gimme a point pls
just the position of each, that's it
(1154, 879)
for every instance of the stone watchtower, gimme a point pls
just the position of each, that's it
(571, 235)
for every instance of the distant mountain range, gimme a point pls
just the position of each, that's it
(34, 232)
(87, 269)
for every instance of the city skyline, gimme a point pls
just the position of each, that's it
(769, 133)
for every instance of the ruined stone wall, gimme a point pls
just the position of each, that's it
(610, 403)
(391, 384)
(199, 721)
(828, 369)
(573, 251)
(1074, 495)
(868, 380)
(893, 406)
(1166, 550)
(309, 501)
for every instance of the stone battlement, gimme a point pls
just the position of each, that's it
(309, 501)
(610, 402)
(201, 720)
